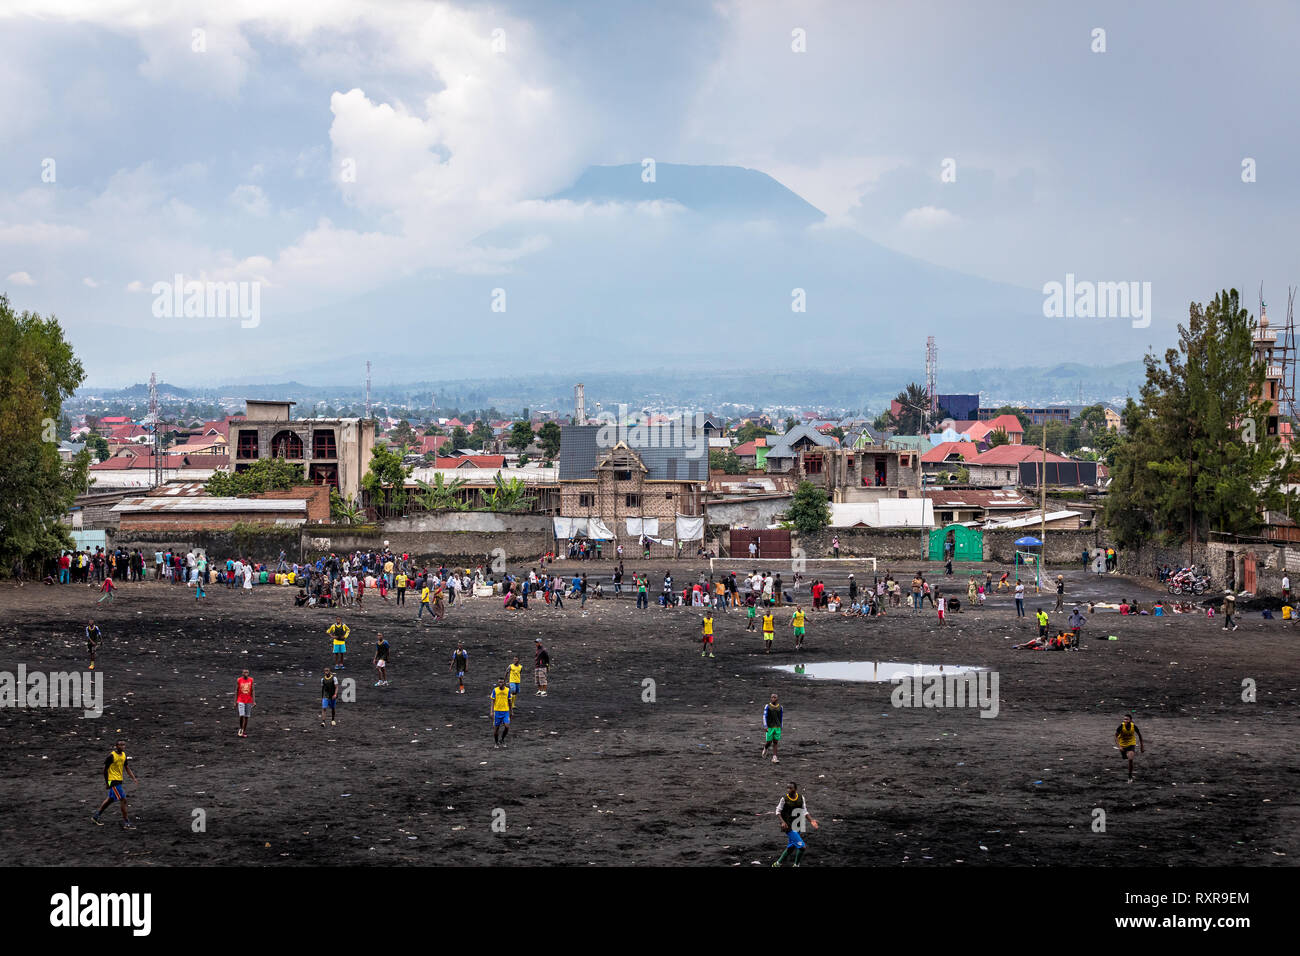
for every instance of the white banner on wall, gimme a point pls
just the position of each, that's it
(690, 529)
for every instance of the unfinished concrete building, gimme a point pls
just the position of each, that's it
(859, 475)
(332, 451)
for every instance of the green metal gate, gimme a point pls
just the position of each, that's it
(967, 544)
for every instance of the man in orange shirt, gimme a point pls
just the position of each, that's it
(244, 701)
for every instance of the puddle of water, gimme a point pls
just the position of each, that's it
(873, 671)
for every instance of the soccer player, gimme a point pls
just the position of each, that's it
(93, 639)
(381, 660)
(706, 638)
(460, 664)
(502, 703)
(941, 605)
(244, 701)
(1041, 616)
(773, 712)
(792, 812)
(1127, 736)
(425, 594)
(751, 613)
(769, 631)
(541, 668)
(108, 587)
(516, 676)
(797, 620)
(114, 766)
(401, 587)
(339, 632)
(329, 692)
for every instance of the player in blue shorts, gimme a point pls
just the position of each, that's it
(792, 812)
(502, 702)
(329, 692)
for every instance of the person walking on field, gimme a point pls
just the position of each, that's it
(773, 714)
(114, 767)
(541, 668)
(1060, 593)
(244, 701)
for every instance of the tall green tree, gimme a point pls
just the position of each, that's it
(38, 371)
(810, 511)
(548, 436)
(1196, 456)
(725, 460)
(386, 478)
(521, 435)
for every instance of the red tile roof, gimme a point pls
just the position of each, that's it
(431, 443)
(1014, 455)
(940, 452)
(1008, 423)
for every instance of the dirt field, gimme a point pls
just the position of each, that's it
(596, 774)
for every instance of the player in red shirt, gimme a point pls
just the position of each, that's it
(244, 701)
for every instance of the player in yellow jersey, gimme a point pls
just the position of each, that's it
(769, 631)
(114, 767)
(502, 703)
(798, 621)
(706, 638)
(515, 678)
(339, 632)
(1127, 736)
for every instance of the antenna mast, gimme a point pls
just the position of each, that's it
(151, 421)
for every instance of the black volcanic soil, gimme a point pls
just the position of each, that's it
(595, 774)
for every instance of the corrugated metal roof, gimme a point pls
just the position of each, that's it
(209, 505)
(661, 449)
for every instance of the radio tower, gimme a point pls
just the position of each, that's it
(367, 389)
(931, 377)
(151, 421)
(579, 405)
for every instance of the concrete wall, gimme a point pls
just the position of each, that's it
(1064, 548)
(262, 545)
(466, 548)
(758, 513)
(483, 521)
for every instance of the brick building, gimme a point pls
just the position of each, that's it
(645, 473)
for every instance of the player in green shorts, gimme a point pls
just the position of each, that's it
(772, 715)
(799, 620)
(752, 614)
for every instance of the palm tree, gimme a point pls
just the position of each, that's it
(508, 495)
(441, 495)
(345, 511)
(914, 417)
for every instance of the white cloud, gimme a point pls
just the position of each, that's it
(928, 217)
(135, 285)
(251, 200)
(21, 278)
(89, 283)
(42, 232)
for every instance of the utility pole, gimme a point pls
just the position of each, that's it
(1042, 503)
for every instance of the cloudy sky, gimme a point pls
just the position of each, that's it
(330, 151)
